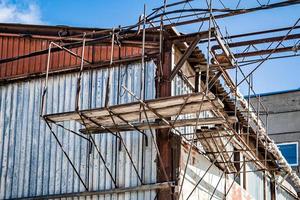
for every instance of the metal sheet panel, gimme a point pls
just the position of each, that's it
(32, 163)
(179, 87)
(254, 176)
(268, 188)
(11, 46)
(211, 186)
(281, 194)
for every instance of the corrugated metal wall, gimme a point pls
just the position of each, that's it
(268, 188)
(33, 164)
(11, 46)
(281, 194)
(256, 190)
(179, 87)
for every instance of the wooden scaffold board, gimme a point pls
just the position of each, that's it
(133, 113)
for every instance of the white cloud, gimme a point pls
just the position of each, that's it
(11, 13)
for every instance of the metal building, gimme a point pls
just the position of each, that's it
(136, 112)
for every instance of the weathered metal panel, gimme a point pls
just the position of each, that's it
(237, 192)
(32, 163)
(179, 87)
(268, 188)
(281, 194)
(254, 176)
(211, 185)
(11, 46)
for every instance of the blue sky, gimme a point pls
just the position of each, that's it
(274, 75)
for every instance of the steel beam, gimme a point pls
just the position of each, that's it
(266, 52)
(259, 41)
(156, 125)
(190, 37)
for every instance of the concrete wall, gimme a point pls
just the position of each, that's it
(284, 110)
(195, 170)
(284, 116)
(214, 182)
(283, 121)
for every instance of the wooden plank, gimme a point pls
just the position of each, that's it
(155, 125)
(212, 67)
(132, 108)
(165, 112)
(147, 187)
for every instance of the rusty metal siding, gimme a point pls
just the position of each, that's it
(32, 163)
(11, 46)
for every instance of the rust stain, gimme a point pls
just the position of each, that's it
(238, 193)
(15, 46)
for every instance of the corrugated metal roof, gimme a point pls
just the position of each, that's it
(45, 30)
(11, 46)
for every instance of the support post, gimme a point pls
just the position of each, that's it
(163, 138)
(273, 188)
(197, 76)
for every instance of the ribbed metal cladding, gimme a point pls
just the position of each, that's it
(180, 87)
(11, 46)
(32, 163)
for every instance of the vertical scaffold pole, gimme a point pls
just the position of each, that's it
(80, 76)
(42, 112)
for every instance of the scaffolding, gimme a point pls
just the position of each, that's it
(235, 124)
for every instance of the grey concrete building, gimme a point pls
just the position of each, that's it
(284, 122)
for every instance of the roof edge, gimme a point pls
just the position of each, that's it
(274, 93)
